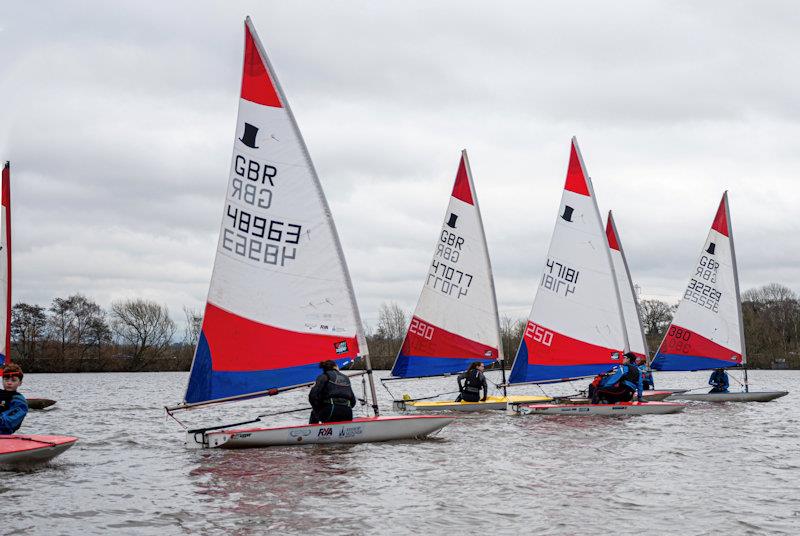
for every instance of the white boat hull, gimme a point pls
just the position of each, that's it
(367, 430)
(619, 410)
(647, 396)
(752, 396)
(32, 449)
(491, 403)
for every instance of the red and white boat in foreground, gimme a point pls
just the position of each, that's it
(280, 299)
(578, 326)
(21, 449)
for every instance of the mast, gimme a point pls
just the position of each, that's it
(633, 290)
(736, 286)
(6, 201)
(608, 254)
(500, 354)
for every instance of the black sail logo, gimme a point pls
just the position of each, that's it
(249, 136)
(452, 221)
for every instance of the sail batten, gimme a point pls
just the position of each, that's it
(575, 328)
(280, 298)
(706, 331)
(455, 321)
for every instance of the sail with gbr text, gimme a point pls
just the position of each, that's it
(455, 321)
(280, 298)
(575, 327)
(627, 293)
(706, 331)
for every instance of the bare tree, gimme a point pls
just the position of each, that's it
(771, 316)
(143, 325)
(392, 322)
(656, 316)
(77, 324)
(194, 323)
(58, 324)
(28, 323)
(385, 341)
(511, 330)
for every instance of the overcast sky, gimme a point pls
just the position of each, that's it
(119, 119)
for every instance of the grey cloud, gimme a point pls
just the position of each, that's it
(119, 121)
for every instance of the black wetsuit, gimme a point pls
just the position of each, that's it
(474, 381)
(332, 399)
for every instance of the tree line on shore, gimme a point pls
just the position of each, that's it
(771, 315)
(75, 334)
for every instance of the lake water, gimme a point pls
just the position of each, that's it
(714, 469)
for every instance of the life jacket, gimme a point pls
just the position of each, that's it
(5, 398)
(337, 386)
(473, 381)
(631, 375)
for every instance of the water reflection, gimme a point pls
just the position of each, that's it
(265, 486)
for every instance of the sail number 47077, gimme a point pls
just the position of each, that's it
(539, 334)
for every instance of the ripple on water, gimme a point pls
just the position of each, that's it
(714, 469)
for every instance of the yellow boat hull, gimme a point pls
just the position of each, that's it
(491, 403)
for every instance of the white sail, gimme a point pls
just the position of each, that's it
(630, 303)
(456, 319)
(575, 327)
(706, 331)
(280, 298)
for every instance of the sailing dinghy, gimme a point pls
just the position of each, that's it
(16, 450)
(456, 320)
(280, 299)
(707, 331)
(576, 327)
(630, 309)
(630, 304)
(5, 282)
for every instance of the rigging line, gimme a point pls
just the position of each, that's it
(415, 399)
(734, 379)
(697, 388)
(429, 397)
(391, 394)
(169, 413)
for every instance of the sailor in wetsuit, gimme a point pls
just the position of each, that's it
(474, 381)
(13, 406)
(620, 384)
(332, 399)
(719, 381)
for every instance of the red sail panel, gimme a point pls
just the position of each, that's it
(461, 189)
(721, 219)
(257, 85)
(576, 180)
(424, 339)
(239, 344)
